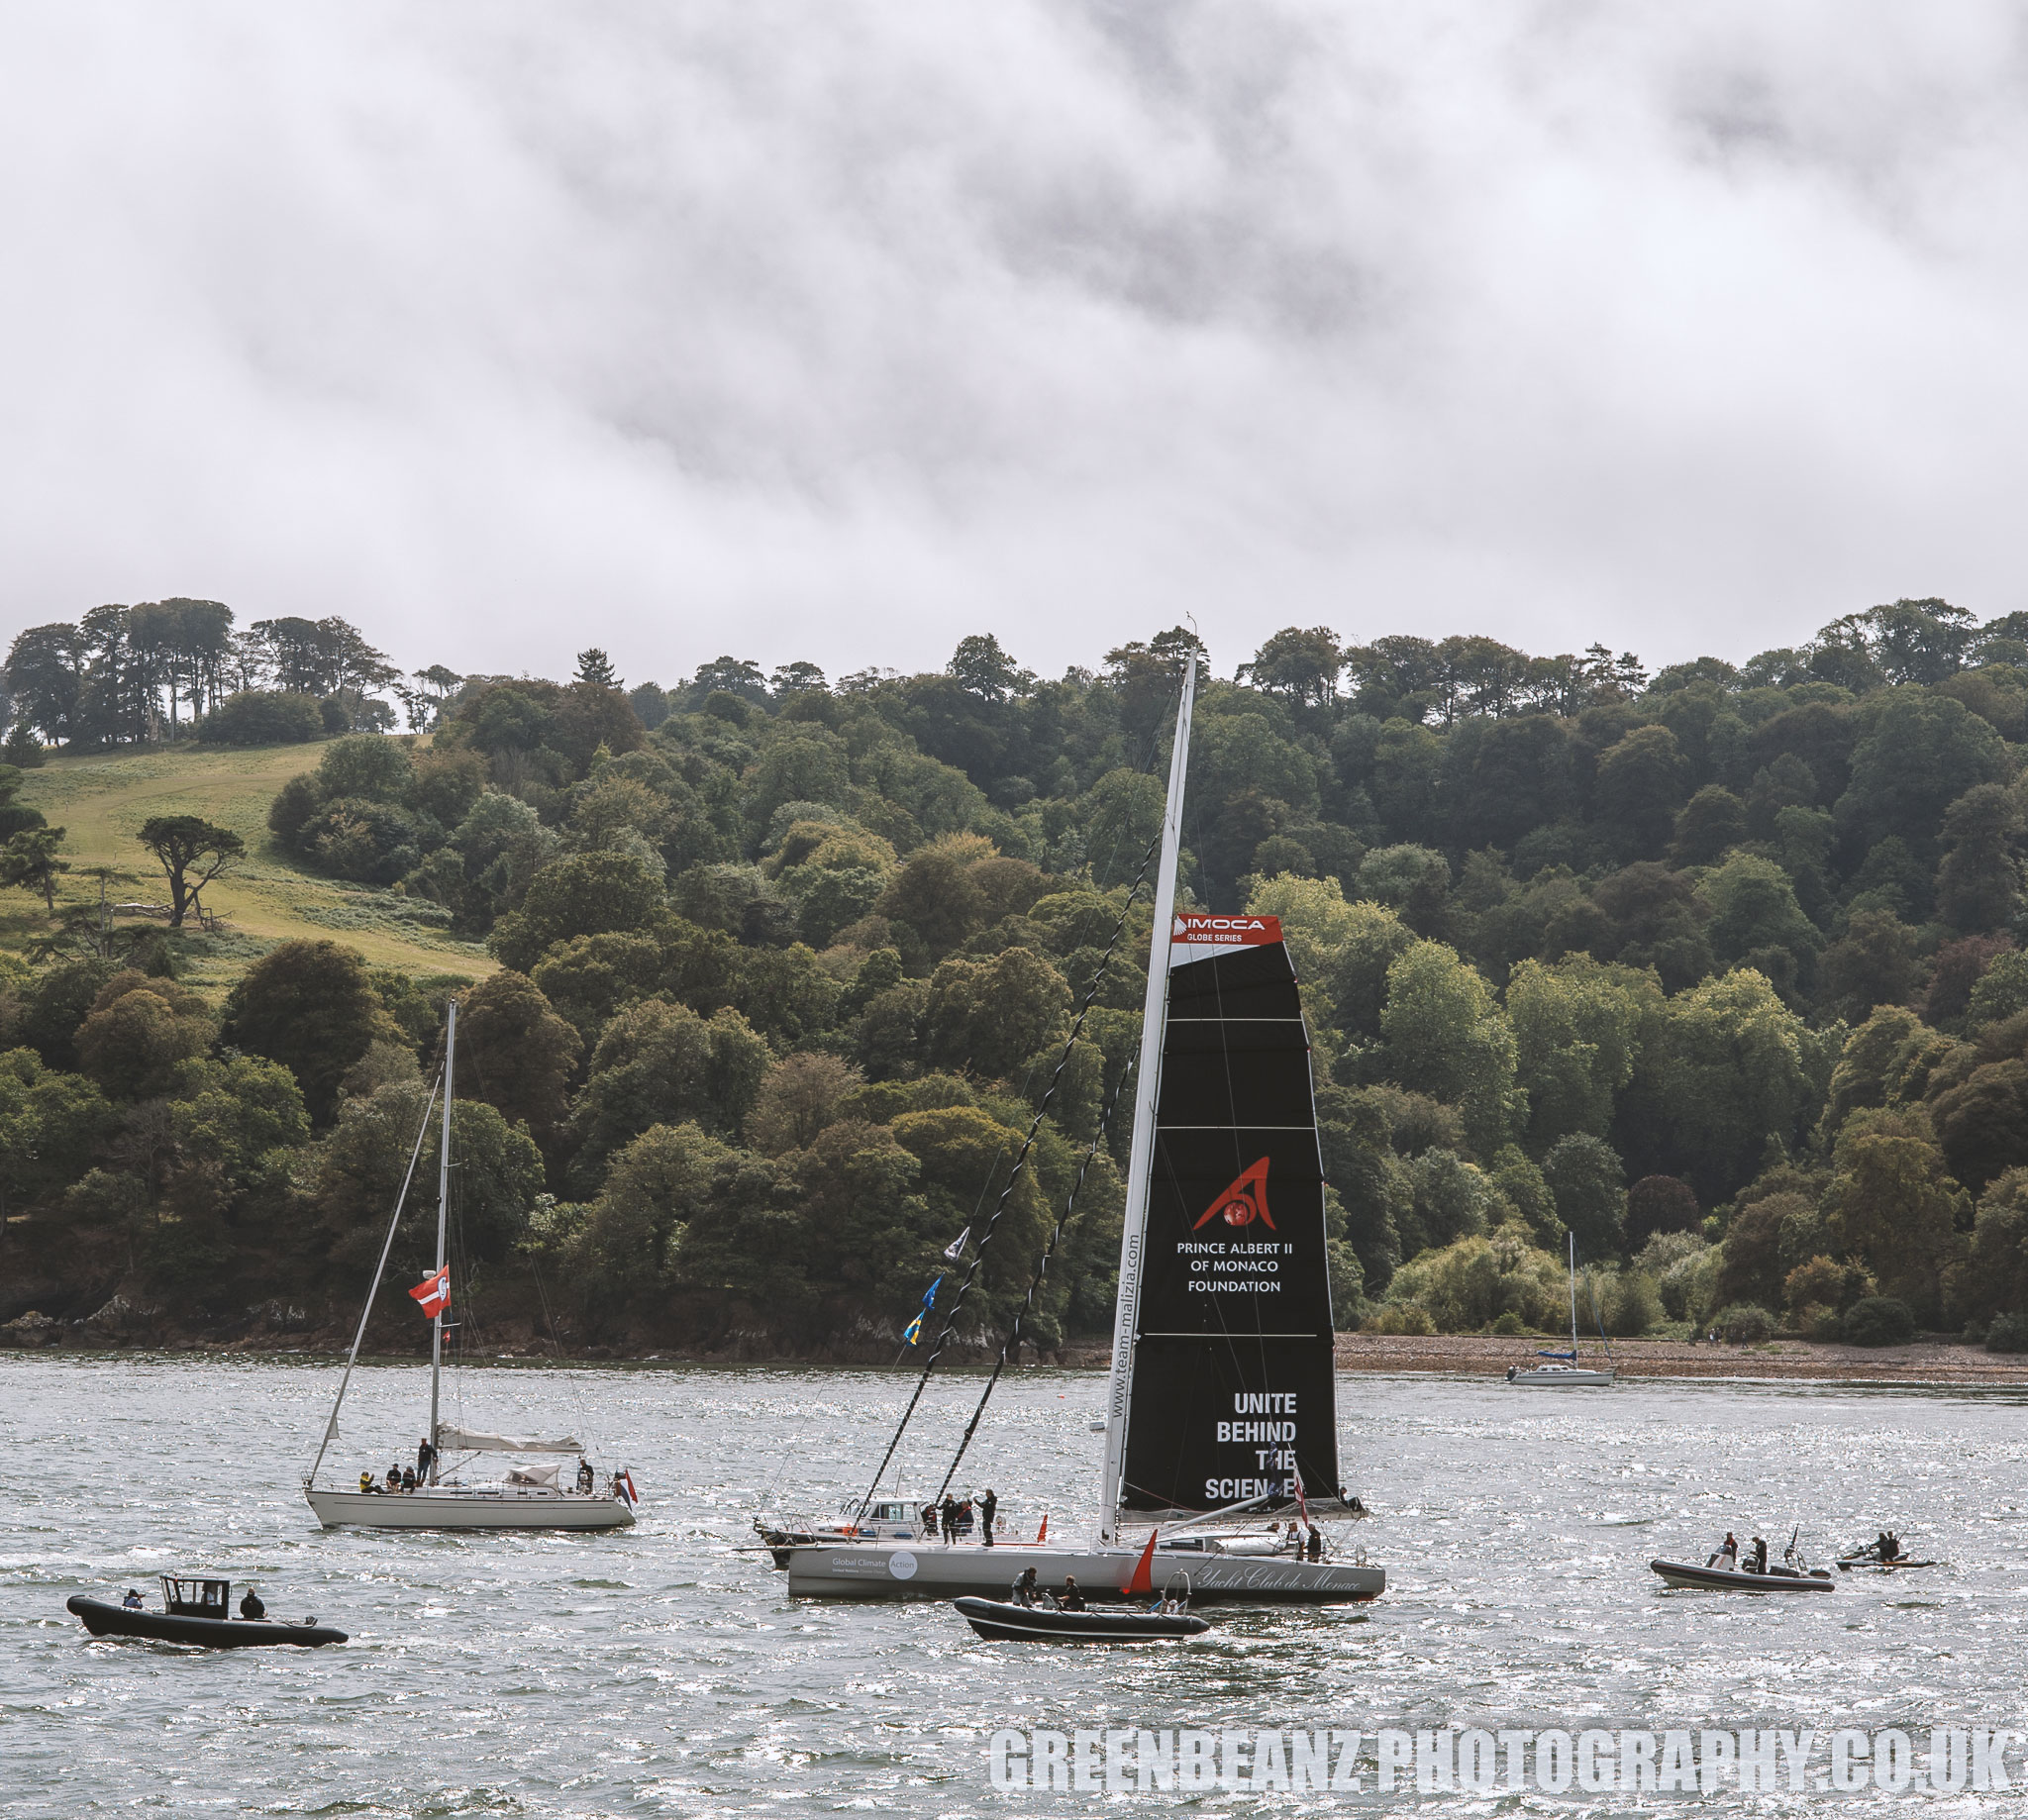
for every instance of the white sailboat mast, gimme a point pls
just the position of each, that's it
(1141, 1158)
(443, 1223)
(1574, 1298)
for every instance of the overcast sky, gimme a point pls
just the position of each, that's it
(838, 330)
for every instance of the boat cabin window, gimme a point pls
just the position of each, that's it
(197, 1598)
(890, 1513)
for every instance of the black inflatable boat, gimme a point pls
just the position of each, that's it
(1002, 1621)
(1687, 1574)
(195, 1611)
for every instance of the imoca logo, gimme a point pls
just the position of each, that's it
(1245, 1201)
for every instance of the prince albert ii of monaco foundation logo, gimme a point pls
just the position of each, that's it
(1245, 1201)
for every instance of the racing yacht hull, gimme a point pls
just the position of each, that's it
(932, 1570)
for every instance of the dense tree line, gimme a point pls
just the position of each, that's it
(128, 675)
(1718, 969)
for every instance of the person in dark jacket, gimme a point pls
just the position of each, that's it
(426, 1458)
(1069, 1600)
(948, 1512)
(1024, 1588)
(251, 1607)
(988, 1509)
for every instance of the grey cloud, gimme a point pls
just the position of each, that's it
(837, 330)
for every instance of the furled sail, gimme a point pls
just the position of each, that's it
(1232, 1397)
(466, 1441)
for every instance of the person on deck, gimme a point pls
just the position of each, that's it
(988, 1509)
(1727, 1553)
(964, 1518)
(1024, 1588)
(426, 1458)
(366, 1482)
(1069, 1600)
(948, 1512)
(131, 1601)
(394, 1478)
(1757, 1562)
(1316, 1547)
(586, 1478)
(408, 1478)
(929, 1521)
(251, 1607)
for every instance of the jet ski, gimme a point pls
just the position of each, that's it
(1002, 1621)
(195, 1611)
(1884, 1553)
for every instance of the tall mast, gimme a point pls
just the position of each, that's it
(1574, 1298)
(443, 1223)
(1141, 1157)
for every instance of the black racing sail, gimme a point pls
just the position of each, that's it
(1233, 1399)
(1222, 1392)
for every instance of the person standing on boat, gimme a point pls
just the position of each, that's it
(1727, 1553)
(1024, 1588)
(948, 1512)
(251, 1607)
(426, 1458)
(1757, 1562)
(988, 1509)
(586, 1478)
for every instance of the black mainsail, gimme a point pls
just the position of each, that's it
(1222, 1390)
(1234, 1399)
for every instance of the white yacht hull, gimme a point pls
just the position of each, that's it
(473, 1507)
(932, 1570)
(1564, 1379)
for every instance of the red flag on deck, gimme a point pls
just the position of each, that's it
(433, 1293)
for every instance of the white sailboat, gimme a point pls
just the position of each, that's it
(526, 1496)
(1561, 1371)
(1220, 1405)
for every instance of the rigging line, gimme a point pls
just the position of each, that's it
(1013, 1176)
(379, 1270)
(1012, 1344)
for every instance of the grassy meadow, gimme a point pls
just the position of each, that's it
(101, 801)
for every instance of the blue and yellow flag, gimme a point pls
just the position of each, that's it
(915, 1326)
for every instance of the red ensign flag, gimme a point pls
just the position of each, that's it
(433, 1293)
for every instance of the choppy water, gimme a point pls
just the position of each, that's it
(660, 1672)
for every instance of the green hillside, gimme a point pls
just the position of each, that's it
(101, 801)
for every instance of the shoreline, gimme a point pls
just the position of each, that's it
(1926, 1362)
(1465, 1356)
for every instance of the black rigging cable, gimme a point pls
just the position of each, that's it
(1012, 1344)
(1013, 1176)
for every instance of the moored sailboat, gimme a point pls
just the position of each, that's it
(1561, 1370)
(525, 1496)
(1221, 1402)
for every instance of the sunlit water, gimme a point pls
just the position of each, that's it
(662, 1671)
